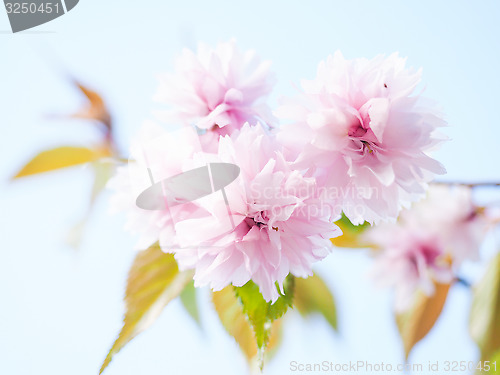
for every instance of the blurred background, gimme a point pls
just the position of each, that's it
(61, 309)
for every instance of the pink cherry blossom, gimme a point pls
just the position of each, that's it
(359, 130)
(164, 154)
(218, 89)
(279, 226)
(428, 243)
(451, 213)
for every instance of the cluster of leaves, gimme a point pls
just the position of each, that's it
(100, 156)
(154, 279)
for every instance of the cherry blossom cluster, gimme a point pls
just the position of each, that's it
(355, 140)
(428, 243)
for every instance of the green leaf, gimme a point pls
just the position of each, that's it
(190, 303)
(485, 311)
(154, 280)
(103, 171)
(261, 314)
(311, 296)
(75, 233)
(235, 322)
(415, 323)
(496, 358)
(351, 236)
(61, 157)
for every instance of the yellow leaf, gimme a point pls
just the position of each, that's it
(154, 280)
(312, 295)
(351, 234)
(415, 323)
(230, 311)
(485, 311)
(61, 157)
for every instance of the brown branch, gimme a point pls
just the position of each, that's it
(469, 184)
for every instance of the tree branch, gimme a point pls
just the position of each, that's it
(469, 184)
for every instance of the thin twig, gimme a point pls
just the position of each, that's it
(463, 282)
(469, 184)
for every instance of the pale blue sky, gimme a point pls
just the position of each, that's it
(61, 310)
